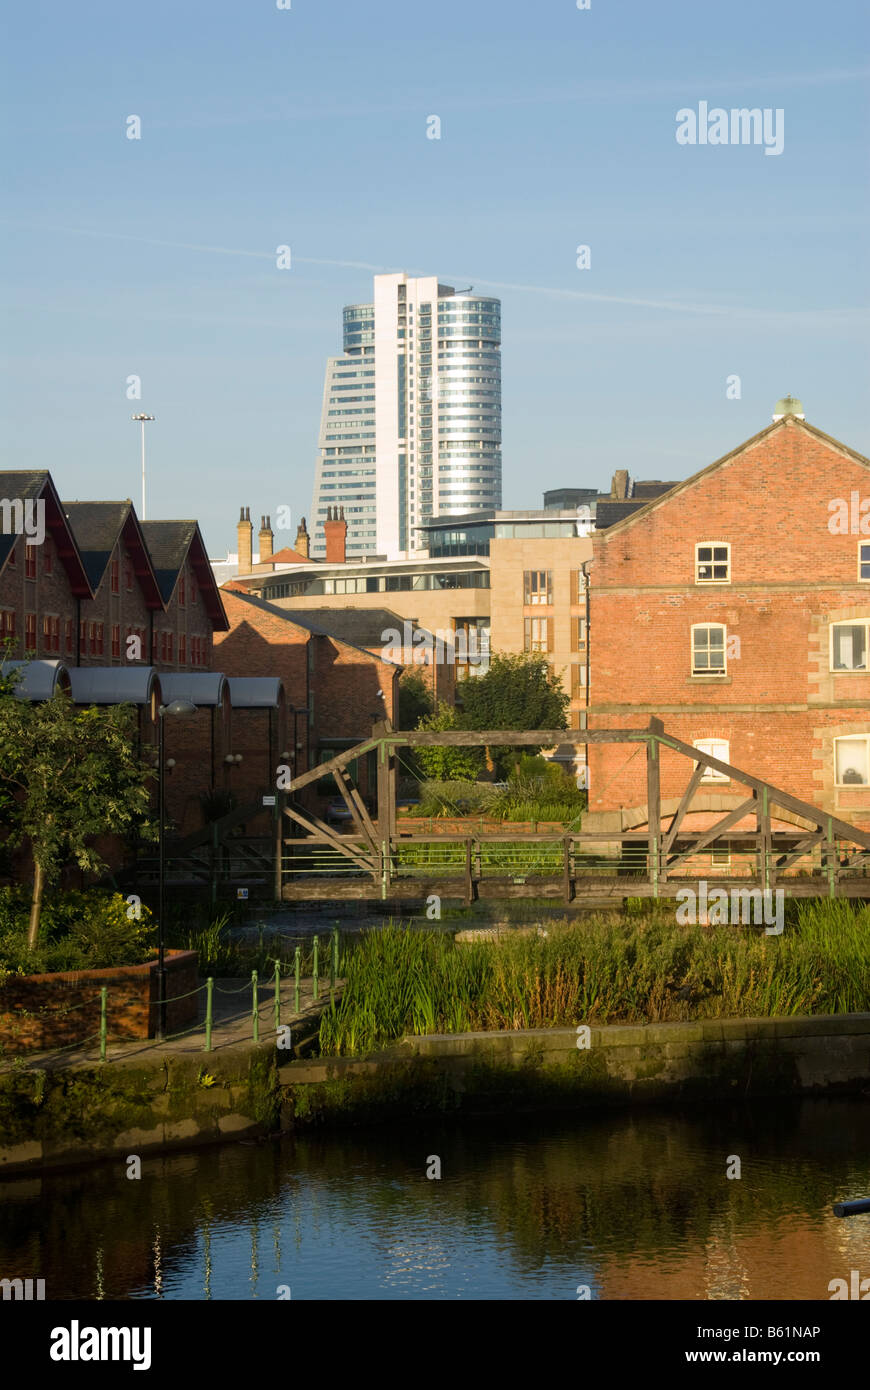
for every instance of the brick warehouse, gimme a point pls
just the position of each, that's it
(736, 607)
(337, 688)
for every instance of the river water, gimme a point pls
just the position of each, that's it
(627, 1204)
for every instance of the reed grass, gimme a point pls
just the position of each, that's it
(637, 968)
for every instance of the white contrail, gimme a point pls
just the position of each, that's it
(630, 301)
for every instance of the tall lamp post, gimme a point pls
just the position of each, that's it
(180, 709)
(143, 420)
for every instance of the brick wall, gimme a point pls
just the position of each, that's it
(131, 1004)
(778, 705)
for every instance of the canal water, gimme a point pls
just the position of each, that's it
(625, 1204)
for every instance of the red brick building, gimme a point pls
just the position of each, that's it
(736, 607)
(335, 689)
(101, 588)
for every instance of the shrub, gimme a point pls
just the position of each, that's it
(79, 931)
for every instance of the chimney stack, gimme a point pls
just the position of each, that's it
(245, 532)
(303, 540)
(335, 532)
(266, 540)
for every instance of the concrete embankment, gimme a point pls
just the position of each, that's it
(715, 1059)
(61, 1116)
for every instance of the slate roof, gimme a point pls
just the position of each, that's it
(96, 527)
(305, 620)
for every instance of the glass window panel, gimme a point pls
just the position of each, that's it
(850, 647)
(851, 761)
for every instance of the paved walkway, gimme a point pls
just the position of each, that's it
(232, 1026)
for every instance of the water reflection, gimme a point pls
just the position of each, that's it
(633, 1204)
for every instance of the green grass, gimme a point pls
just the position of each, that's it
(634, 969)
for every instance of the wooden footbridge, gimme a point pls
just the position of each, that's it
(790, 844)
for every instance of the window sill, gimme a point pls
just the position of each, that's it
(708, 680)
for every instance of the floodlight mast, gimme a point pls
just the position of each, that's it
(143, 419)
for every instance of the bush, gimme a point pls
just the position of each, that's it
(456, 798)
(78, 931)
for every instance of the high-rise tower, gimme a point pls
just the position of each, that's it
(411, 423)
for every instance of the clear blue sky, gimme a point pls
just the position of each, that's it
(307, 127)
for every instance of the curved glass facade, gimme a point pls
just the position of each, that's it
(424, 413)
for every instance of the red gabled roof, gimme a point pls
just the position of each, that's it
(289, 556)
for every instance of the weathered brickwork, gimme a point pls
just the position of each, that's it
(779, 704)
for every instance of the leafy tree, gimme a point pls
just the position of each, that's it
(68, 775)
(447, 764)
(517, 692)
(415, 699)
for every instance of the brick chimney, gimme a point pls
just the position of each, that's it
(303, 540)
(619, 488)
(266, 539)
(335, 532)
(245, 532)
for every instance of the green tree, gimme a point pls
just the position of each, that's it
(69, 775)
(517, 692)
(415, 699)
(442, 764)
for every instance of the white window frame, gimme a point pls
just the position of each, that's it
(720, 859)
(862, 578)
(715, 675)
(852, 738)
(709, 745)
(849, 670)
(726, 545)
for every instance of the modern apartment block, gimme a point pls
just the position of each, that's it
(411, 422)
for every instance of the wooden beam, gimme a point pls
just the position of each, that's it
(354, 803)
(715, 831)
(681, 809)
(325, 835)
(653, 814)
(777, 796)
(786, 860)
(340, 760)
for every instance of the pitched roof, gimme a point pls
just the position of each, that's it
(790, 422)
(360, 627)
(170, 543)
(304, 620)
(31, 485)
(289, 556)
(98, 527)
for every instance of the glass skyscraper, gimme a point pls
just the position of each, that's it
(411, 423)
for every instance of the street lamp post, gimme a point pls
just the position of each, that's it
(143, 419)
(178, 709)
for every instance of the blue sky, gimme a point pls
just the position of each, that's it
(307, 127)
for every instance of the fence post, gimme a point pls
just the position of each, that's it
(103, 1022)
(333, 969)
(255, 1015)
(277, 995)
(209, 1001)
(298, 966)
(314, 969)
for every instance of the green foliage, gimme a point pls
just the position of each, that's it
(79, 931)
(447, 764)
(606, 969)
(73, 775)
(518, 691)
(456, 798)
(415, 699)
(540, 790)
